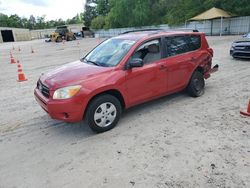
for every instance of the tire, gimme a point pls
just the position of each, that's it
(103, 113)
(69, 38)
(59, 39)
(196, 86)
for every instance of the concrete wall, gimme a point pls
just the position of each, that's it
(18, 34)
(41, 34)
(1, 40)
(25, 34)
(21, 34)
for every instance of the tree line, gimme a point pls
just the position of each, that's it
(36, 22)
(106, 14)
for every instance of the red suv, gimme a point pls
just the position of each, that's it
(124, 71)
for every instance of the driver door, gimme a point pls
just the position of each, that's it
(150, 80)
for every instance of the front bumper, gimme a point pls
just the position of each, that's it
(68, 110)
(240, 53)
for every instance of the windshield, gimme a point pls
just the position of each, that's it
(109, 53)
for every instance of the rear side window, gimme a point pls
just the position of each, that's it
(181, 44)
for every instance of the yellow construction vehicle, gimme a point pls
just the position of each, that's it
(62, 33)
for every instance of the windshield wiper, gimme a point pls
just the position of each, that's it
(93, 62)
(89, 61)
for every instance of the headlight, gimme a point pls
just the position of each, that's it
(233, 45)
(66, 92)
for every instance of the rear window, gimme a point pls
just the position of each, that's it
(181, 44)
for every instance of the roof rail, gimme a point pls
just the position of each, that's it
(185, 29)
(138, 30)
(166, 30)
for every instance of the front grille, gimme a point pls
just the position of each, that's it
(239, 54)
(242, 48)
(44, 89)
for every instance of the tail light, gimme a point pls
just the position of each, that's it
(210, 50)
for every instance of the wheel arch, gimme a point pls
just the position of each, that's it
(200, 69)
(114, 92)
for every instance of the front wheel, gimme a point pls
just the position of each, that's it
(59, 39)
(69, 38)
(103, 113)
(196, 85)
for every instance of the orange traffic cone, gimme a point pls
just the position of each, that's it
(21, 76)
(248, 110)
(11, 56)
(12, 60)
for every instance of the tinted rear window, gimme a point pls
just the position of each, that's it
(194, 42)
(181, 44)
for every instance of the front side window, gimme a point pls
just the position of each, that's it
(149, 51)
(109, 53)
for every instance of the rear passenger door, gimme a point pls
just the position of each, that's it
(181, 56)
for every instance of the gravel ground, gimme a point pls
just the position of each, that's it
(175, 141)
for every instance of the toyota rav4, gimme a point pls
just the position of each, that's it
(124, 71)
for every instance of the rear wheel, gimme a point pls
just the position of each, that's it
(103, 113)
(196, 84)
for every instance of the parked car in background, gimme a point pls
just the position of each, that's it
(241, 48)
(124, 71)
(86, 32)
(247, 35)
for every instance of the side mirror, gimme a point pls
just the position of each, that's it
(135, 62)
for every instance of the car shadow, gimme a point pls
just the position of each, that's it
(241, 59)
(75, 130)
(82, 130)
(154, 104)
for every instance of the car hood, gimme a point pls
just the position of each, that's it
(71, 74)
(245, 41)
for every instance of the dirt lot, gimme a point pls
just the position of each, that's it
(176, 141)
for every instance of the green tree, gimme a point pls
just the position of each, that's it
(3, 20)
(90, 12)
(103, 7)
(31, 22)
(98, 22)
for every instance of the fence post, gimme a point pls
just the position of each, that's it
(249, 24)
(221, 25)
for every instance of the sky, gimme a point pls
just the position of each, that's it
(53, 9)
